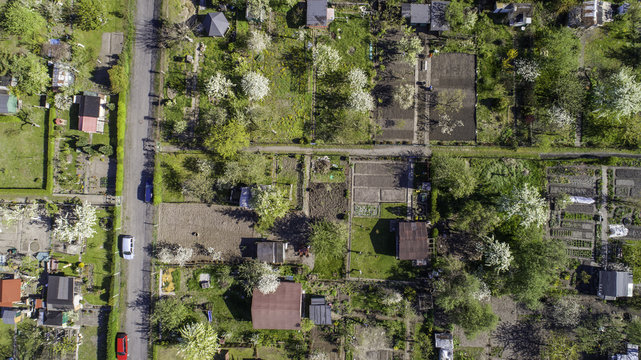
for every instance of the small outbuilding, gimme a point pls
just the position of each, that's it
(8, 104)
(7, 82)
(319, 311)
(615, 284)
(318, 14)
(280, 310)
(412, 242)
(417, 14)
(11, 316)
(9, 292)
(60, 293)
(55, 318)
(62, 76)
(272, 252)
(444, 342)
(590, 13)
(215, 24)
(518, 14)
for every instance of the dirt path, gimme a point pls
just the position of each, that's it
(349, 223)
(306, 174)
(376, 151)
(604, 215)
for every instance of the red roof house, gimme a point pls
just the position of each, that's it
(89, 113)
(9, 292)
(278, 310)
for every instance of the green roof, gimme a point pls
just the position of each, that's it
(8, 104)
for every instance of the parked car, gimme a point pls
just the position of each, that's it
(149, 188)
(127, 247)
(121, 346)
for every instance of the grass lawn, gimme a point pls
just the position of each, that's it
(354, 41)
(335, 174)
(600, 48)
(88, 349)
(469, 353)
(6, 336)
(22, 159)
(96, 255)
(165, 352)
(173, 172)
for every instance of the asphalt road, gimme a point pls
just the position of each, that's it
(138, 166)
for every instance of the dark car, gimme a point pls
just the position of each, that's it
(121, 346)
(149, 188)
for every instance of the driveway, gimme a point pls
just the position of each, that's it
(137, 215)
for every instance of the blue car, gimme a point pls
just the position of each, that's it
(149, 187)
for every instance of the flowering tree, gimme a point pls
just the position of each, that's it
(565, 312)
(391, 297)
(255, 85)
(560, 117)
(409, 47)
(268, 281)
(199, 341)
(404, 96)
(180, 256)
(528, 70)
(81, 226)
(270, 204)
(357, 79)
(258, 41)
(447, 124)
(620, 95)
(361, 100)
(62, 101)
(497, 254)
(525, 202)
(326, 59)
(10, 214)
(218, 87)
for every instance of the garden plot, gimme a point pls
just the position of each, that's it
(451, 73)
(397, 124)
(380, 182)
(328, 200)
(27, 236)
(627, 182)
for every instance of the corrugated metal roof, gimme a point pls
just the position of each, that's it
(419, 13)
(413, 243)
(8, 104)
(278, 310)
(316, 12)
(319, 312)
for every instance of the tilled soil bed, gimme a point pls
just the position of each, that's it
(328, 200)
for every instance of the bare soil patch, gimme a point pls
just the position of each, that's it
(328, 200)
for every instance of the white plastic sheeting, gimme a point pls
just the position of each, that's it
(618, 230)
(581, 200)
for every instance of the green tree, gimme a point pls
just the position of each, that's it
(170, 313)
(476, 219)
(270, 204)
(247, 169)
(18, 19)
(328, 239)
(461, 16)
(633, 330)
(453, 175)
(409, 47)
(31, 73)
(89, 14)
(199, 341)
(226, 139)
(559, 347)
(29, 340)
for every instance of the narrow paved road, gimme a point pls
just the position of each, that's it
(137, 215)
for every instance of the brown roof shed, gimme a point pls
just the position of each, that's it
(278, 310)
(9, 292)
(412, 242)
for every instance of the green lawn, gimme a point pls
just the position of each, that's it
(354, 40)
(334, 175)
(88, 349)
(22, 159)
(6, 337)
(172, 172)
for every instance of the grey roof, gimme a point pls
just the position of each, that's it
(215, 24)
(54, 318)
(245, 196)
(613, 284)
(8, 104)
(438, 16)
(60, 293)
(89, 106)
(419, 13)
(319, 312)
(316, 12)
(270, 251)
(9, 316)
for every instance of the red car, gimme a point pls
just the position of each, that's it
(121, 346)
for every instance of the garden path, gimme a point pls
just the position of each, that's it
(604, 214)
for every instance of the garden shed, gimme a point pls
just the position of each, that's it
(280, 310)
(215, 24)
(412, 242)
(615, 284)
(9, 292)
(62, 76)
(8, 104)
(318, 14)
(7, 82)
(88, 114)
(11, 316)
(417, 14)
(60, 293)
(319, 311)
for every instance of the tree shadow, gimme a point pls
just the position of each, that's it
(293, 228)
(238, 303)
(241, 214)
(383, 241)
(523, 338)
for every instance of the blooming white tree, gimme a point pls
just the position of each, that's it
(268, 281)
(199, 341)
(565, 312)
(447, 124)
(180, 256)
(525, 202)
(218, 86)
(82, 225)
(528, 70)
(165, 255)
(270, 204)
(497, 254)
(361, 100)
(215, 255)
(404, 96)
(560, 117)
(620, 95)
(255, 85)
(258, 41)
(410, 47)
(391, 297)
(62, 101)
(357, 79)
(10, 214)
(326, 59)
(482, 293)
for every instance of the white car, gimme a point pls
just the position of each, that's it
(127, 247)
